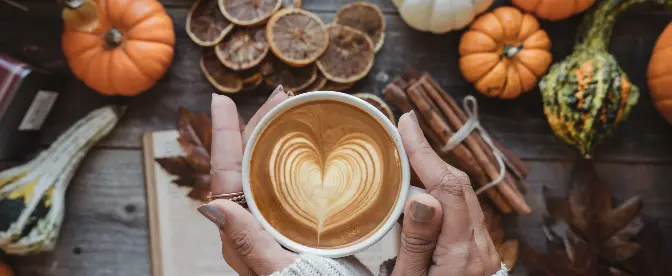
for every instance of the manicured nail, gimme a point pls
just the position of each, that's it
(290, 93)
(421, 212)
(213, 213)
(413, 116)
(276, 91)
(216, 98)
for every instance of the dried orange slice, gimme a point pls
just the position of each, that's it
(291, 4)
(349, 56)
(297, 37)
(251, 80)
(206, 25)
(378, 103)
(222, 78)
(365, 17)
(335, 86)
(243, 49)
(292, 79)
(317, 84)
(248, 12)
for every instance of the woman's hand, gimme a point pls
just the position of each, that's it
(246, 246)
(463, 246)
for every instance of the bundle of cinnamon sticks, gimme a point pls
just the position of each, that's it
(440, 116)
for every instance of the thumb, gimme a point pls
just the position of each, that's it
(240, 230)
(419, 234)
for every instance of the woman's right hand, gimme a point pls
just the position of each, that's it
(445, 233)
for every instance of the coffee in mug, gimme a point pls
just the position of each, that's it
(325, 174)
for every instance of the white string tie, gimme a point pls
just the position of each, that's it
(471, 108)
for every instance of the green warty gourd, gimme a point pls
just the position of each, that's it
(587, 95)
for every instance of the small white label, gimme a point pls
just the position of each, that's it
(38, 111)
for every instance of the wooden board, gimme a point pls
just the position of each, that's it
(106, 228)
(106, 233)
(520, 124)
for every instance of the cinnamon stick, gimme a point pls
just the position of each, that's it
(460, 153)
(513, 162)
(486, 161)
(398, 98)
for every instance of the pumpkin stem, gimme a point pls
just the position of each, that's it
(510, 51)
(113, 38)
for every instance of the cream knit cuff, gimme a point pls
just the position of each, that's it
(309, 265)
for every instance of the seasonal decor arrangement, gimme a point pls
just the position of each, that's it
(660, 74)
(504, 53)
(441, 118)
(587, 235)
(554, 9)
(440, 16)
(32, 195)
(248, 42)
(587, 95)
(118, 47)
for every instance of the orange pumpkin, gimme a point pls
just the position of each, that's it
(660, 74)
(118, 47)
(554, 9)
(504, 53)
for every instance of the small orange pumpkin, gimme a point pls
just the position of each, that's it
(554, 9)
(660, 74)
(118, 47)
(504, 53)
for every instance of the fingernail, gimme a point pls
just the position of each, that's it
(290, 93)
(276, 91)
(421, 212)
(413, 116)
(213, 213)
(216, 98)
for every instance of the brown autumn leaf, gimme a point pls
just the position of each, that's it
(588, 220)
(588, 235)
(193, 169)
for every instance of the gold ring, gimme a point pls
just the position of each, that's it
(238, 197)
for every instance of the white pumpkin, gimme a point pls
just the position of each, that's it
(440, 16)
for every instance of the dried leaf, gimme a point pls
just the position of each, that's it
(193, 169)
(589, 236)
(176, 165)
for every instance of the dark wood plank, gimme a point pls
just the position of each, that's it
(520, 124)
(105, 230)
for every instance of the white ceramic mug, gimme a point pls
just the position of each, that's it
(406, 189)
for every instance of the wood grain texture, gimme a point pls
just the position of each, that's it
(520, 124)
(105, 230)
(105, 227)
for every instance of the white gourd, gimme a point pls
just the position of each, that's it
(440, 16)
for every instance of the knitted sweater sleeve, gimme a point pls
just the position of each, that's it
(309, 265)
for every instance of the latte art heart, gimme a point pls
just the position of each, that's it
(326, 189)
(325, 174)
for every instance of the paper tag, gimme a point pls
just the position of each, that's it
(38, 111)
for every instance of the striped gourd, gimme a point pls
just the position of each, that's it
(32, 195)
(587, 95)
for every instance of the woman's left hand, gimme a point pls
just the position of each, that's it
(246, 246)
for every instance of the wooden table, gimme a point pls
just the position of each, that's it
(105, 229)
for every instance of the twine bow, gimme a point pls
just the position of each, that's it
(471, 108)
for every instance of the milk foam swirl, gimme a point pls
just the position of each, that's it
(326, 189)
(325, 174)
